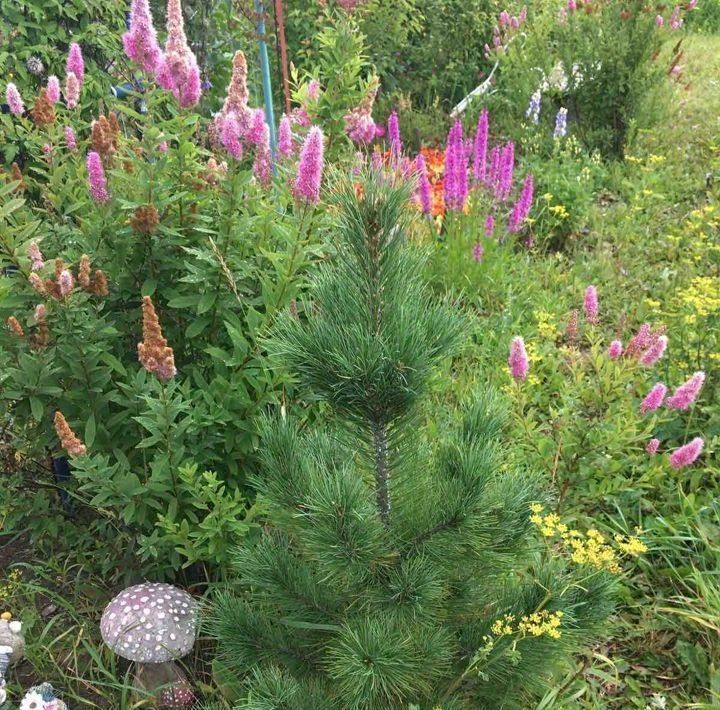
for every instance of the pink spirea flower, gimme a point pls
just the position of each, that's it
(659, 20)
(313, 90)
(285, 142)
(14, 100)
(140, 41)
(53, 89)
(394, 134)
(163, 146)
(310, 167)
(489, 225)
(652, 446)
(640, 341)
(654, 352)
(262, 165)
(70, 139)
(75, 63)
(72, 90)
(477, 252)
(96, 178)
(40, 312)
(424, 195)
(518, 359)
(300, 117)
(522, 207)
(66, 282)
(615, 349)
(571, 5)
(231, 135)
(178, 71)
(686, 393)
(36, 258)
(590, 305)
(686, 455)
(481, 145)
(256, 128)
(676, 22)
(654, 398)
(360, 127)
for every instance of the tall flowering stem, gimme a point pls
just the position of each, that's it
(518, 359)
(154, 353)
(522, 207)
(96, 178)
(75, 63)
(687, 393)
(394, 135)
(590, 305)
(140, 41)
(424, 191)
(14, 100)
(686, 455)
(456, 183)
(481, 146)
(67, 437)
(310, 167)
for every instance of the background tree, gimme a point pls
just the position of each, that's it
(397, 567)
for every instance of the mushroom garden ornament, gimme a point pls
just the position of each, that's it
(154, 624)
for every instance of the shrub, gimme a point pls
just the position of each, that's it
(396, 569)
(149, 238)
(603, 63)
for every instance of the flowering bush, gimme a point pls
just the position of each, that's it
(599, 61)
(145, 228)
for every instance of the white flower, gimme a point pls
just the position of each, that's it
(32, 701)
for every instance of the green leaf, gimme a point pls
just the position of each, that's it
(90, 430)
(37, 408)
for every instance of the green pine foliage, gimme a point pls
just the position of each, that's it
(388, 556)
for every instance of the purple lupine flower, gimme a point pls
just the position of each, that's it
(478, 252)
(424, 195)
(687, 392)
(518, 359)
(522, 207)
(686, 455)
(560, 124)
(75, 63)
(654, 352)
(481, 144)
(285, 142)
(14, 100)
(654, 398)
(590, 305)
(615, 349)
(140, 41)
(489, 225)
(652, 446)
(53, 89)
(533, 110)
(72, 90)
(394, 134)
(310, 167)
(70, 140)
(506, 172)
(96, 178)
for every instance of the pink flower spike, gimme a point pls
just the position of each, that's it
(481, 144)
(72, 90)
(36, 257)
(686, 455)
(310, 167)
(590, 304)
(231, 135)
(140, 41)
(70, 138)
(285, 143)
(518, 359)
(96, 178)
(659, 20)
(53, 89)
(14, 100)
(478, 252)
(686, 393)
(424, 196)
(654, 398)
(394, 134)
(66, 282)
(75, 63)
(489, 225)
(615, 349)
(654, 352)
(652, 446)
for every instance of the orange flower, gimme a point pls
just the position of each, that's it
(68, 440)
(154, 353)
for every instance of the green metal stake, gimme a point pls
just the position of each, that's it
(265, 69)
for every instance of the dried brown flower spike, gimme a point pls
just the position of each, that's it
(154, 353)
(17, 176)
(68, 440)
(145, 220)
(42, 112)
(99, 284)
(14, 324)
(84, 272)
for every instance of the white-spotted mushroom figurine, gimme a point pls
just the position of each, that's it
(154, 624)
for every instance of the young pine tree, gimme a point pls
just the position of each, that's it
(390, 561)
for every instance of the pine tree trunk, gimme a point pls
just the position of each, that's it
(382, 472)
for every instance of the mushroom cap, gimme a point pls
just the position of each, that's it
(150, 623)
